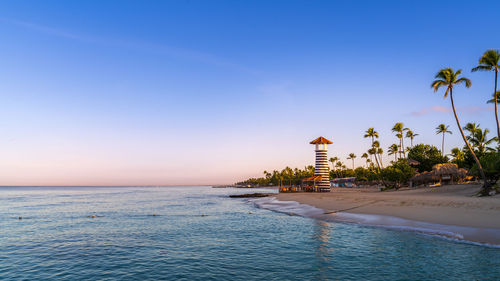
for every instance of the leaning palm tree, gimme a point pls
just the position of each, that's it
(351, 157)
(448, 78)
(411, 136)
(393, 150)
(371, 133)
(490, 62)
(380, 151)
(442, 129)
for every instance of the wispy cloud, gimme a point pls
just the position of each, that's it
(160, 49)
(442, 109)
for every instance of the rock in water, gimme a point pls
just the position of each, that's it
(250, 195)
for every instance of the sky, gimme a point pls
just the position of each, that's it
(213, 92)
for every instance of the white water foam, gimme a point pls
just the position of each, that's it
(454, 233)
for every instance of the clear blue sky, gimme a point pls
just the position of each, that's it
(171, 92)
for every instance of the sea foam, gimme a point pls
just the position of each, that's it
(454, 233)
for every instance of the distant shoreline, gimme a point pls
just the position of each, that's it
(452, 206)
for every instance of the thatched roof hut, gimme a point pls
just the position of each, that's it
(446, 172)
(448, 169)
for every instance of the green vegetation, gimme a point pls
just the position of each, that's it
(287, 176)
(427, 156)
(397, 175)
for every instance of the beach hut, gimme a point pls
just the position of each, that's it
(310, 184)
(447, 173)
(321, 167)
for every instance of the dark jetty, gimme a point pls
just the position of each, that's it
(250, 195)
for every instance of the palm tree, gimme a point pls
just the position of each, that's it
(457, 154)
(371, 133)
(365, 155)
(333, 160)
(399, 130)
(471, 127)
(393, 150)
(380, 151)
(411, 136)
(490, 62)
(351, 157)
(442, 129)
(480, 141)
(448, 78)
(339, 165)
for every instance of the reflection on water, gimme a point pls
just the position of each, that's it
(321, 238)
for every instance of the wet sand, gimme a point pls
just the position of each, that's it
(453, 205)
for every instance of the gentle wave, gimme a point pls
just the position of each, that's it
(454, 233)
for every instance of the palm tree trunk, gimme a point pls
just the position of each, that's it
(376, 160)
(353, 164)
(403, 145)
(442, 146)
(381, 164)
(495, 99)
(485, 189)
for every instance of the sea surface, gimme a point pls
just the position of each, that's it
(198, 233)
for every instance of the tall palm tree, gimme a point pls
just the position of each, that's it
(365, 155)
(399, 129)
(490, 62)
(371, 133)
(333, 160)
(393, 150)
(442, 129)
(411, 136)
(448, 78)
(351, 157)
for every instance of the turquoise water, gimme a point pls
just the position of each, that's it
(200, 234)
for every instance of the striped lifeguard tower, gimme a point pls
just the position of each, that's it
(321, 168)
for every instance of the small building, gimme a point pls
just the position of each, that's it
(310, 184)
(343, 182)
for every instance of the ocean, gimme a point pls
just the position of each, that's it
(198, 233)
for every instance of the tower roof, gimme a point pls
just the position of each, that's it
(321, 140)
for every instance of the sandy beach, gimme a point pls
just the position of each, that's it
(453, 205)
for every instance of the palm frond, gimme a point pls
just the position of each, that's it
(482, 68)
(465, 81)
(497, 95)
(438, 84)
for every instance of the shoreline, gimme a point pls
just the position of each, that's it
(448, 209)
